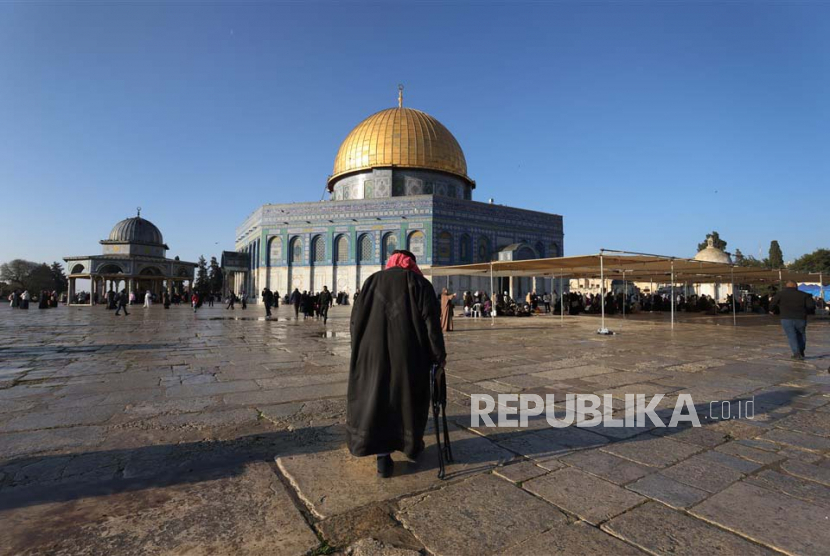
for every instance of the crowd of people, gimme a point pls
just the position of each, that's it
(20, 299)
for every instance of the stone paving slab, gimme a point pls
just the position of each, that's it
(668, 491)
(482, 515)
(332, 482)
(652, 451)
(607, 466)
(769, 517)
(660, 530)
(194, 518)
(583, 495)
(576, 538)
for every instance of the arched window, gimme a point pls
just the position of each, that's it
(275, 251)
(465, 249)
(390, 243)
(365, 249)
(417, 244)
(445, 248)
(540, 249)
(318, 248)
(341, 246)
(296, 250)
(483, 249)
(554, 250)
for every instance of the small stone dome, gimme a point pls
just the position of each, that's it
(712, 254)
(136, 230)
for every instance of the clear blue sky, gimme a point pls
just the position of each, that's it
(646, 124)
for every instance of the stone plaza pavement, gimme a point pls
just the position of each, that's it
(221, 433)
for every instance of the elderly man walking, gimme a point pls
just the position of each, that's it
(396, 338)
(794, 305)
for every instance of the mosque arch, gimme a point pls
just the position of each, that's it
(110, 268)
(318, 249)
(465, 249)
(274, 251)
(151, 271)
(296, 250)
(444, 248)
(483, 249)
(341, 249)
(554, 250)
(390, 244)
(540, 249)
(365, 250)
(77, 269)
(524, 253)
(416, 244)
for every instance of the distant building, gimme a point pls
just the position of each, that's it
(133, 258)
(717, 290)
(399, 181)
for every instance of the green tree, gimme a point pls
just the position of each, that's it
(752, 262)
(776, 257)
(817, 261)
(40, 279)
(16, 273)
(59, 282)
(201, 285)
(215, 278)
(717, 241)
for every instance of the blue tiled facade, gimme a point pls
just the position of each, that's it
(339, 242)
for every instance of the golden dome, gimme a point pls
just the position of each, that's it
(400, 137)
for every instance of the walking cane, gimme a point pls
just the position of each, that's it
(438, 394)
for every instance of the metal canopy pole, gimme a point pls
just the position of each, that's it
(734, 317)
(625, 294)
(672, 294)
(492, 298)
(602, 329)
(602, 288)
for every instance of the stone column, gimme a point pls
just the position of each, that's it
(70, 291)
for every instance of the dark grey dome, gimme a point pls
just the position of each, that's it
(136, 230)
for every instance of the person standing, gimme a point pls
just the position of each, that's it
(231, 301)
(267, 300)
(296, 299)
(24, 299)
(122, 302)
(244, 297)
(210, 299)
(396, 336)
(276, 296)
(794, 306)
(194, 300)
(325, 303)
(166, 299)
(446, 310)
(148, 299)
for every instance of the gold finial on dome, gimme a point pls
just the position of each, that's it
(400, 95)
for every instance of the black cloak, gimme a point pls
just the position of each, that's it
(396, 337)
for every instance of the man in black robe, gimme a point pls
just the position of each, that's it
(396, 338)
(325, 303)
